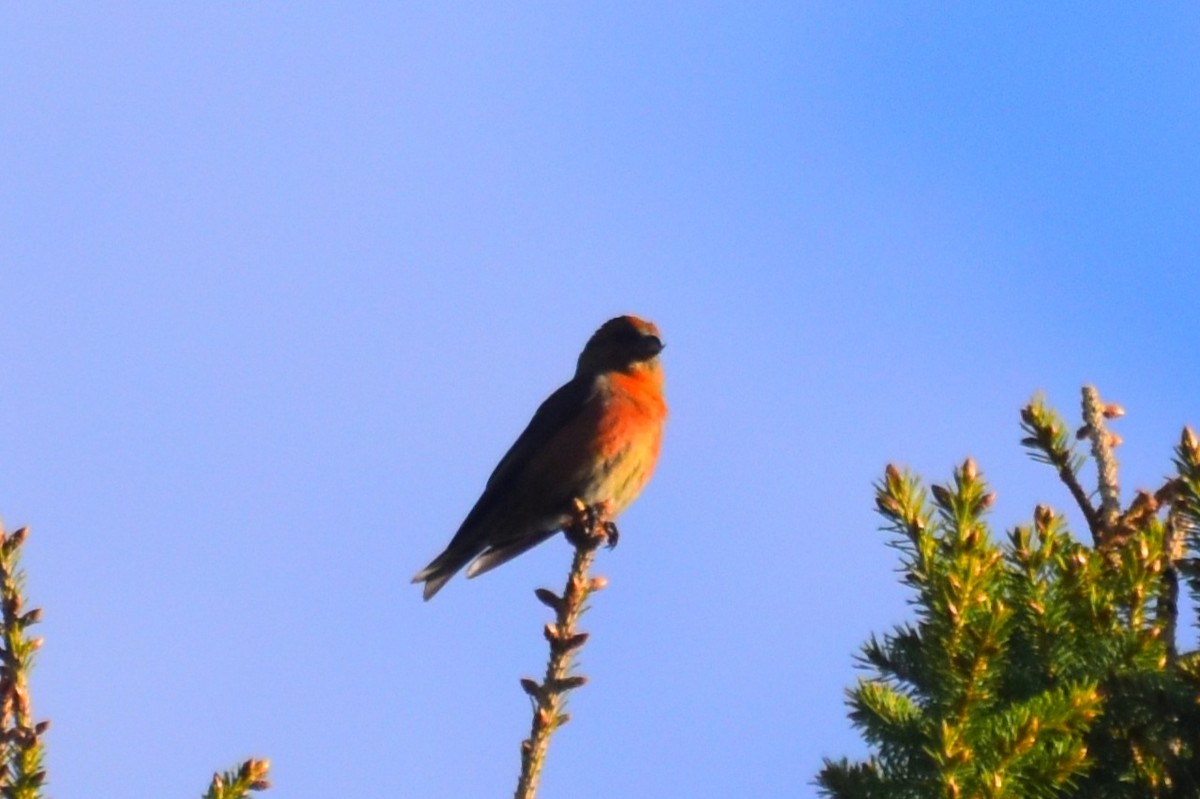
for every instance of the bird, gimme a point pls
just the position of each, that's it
(593, 443)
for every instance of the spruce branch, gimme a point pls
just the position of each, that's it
(1049, 443)
(1045, 667)
(23, 774)
(901, 500)
(237, 784)
(587, 531)
(1167, 609)
(1185, 506)
(1103, 444)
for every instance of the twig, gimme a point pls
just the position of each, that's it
(1050, 444)
(589, 530)
(1103, 443)
(1081, 499)
(1168, 600)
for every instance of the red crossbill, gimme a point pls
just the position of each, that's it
(595, 440)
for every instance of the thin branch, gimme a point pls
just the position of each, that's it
(589, 530)
(1103, 443)
(1050, 444)
(1081, 499)
(1168, 601)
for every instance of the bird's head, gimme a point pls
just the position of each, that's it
(623, 344)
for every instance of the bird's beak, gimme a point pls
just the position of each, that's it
(652, 345)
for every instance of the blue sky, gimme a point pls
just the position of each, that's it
(280, 283)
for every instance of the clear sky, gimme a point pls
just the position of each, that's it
(280, 282)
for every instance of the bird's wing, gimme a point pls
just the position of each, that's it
(548, 447)
(554, 417)
(558, 411)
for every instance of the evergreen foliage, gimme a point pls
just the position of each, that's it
(22, 752)
(237, 784)
(1036, 666)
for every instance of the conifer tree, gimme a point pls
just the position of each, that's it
(1036, 665)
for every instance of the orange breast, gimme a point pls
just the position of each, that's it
(628, 438)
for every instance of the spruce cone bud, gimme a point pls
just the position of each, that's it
(1189, 444)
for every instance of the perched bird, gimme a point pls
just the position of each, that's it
(595, 440)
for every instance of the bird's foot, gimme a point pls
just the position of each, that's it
(590, 525)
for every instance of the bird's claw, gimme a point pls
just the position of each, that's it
(591, 522)
(611, 533)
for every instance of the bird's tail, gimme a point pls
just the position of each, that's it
(447, 564)
(497, 554)
(441, 569)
